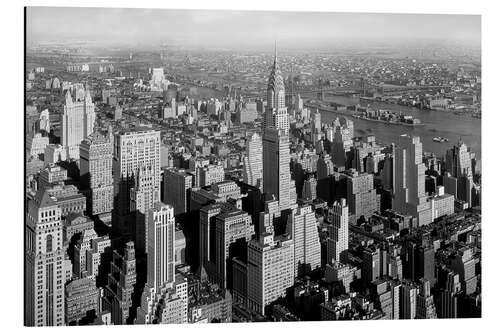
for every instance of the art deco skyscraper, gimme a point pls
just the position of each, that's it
(409, 180)
(142, 199)
(459, 160)
(176, 185)
(307, 254)
(44, 256)
(252, 172)
(121, 282)
(270, 269)
(338, 230)
(134, 149)
(276, 144)
(161, 245)
(77, 121)
(164, 299)
(276, 115)
(96, 178)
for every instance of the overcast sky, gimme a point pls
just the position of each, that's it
(241, 28)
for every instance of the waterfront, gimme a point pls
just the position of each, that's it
(436, 123)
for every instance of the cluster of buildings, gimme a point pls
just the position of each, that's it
(237, 210)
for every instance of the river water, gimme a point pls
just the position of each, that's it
(436, 123)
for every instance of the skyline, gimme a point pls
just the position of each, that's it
(248, 28)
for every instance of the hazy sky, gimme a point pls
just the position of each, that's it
(241, 28)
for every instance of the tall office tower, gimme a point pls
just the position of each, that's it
(463, 263)
(408, 300)
(276, 168)
(316, 122)
(316, 127)
(337, 243)
(362, 197)
(134, 149)
(77, 122)
(142, 199)
(96, 178)
(276, 145)
(409, 176)
(325, 166)
(342, 142)
(425, 302)
(44, 256)
(395, 269)
(449, 296)
(276, 115)
(270, 270)
(252, 171)
(121, 282)
(161, 241)
(306, 244)
(325, 169)
(387, 172)
(387, 297)
(161, 262)
(458, 160)
(418, 262)
(176, 186)
(309, 189)
(233, 229)
(217, 242)
(371, 264)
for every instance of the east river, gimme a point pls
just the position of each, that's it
(435, 123)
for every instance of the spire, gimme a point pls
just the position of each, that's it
(275, 80)
(275, 53)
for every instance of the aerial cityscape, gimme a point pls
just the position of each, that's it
(197, 166)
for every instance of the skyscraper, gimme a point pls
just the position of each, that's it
(77, 121)
(270, 270)
(408, 300)
(425, 302)
(276, 170)
(276, 115)
(409, 177)
(176, 185)
(44, 256)
(161, 245)
(121, 282)
(142, 199)
(338, 232)
(276, 145)
(458, 160)
(96, 178)
(134, 149)
(252, 171)
(362, 198)
(307, 248)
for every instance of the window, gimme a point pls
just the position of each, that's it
(49, 243)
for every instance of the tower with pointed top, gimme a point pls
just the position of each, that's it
(44, 256)
(77, 121)
(275, 142)
(276, 115)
